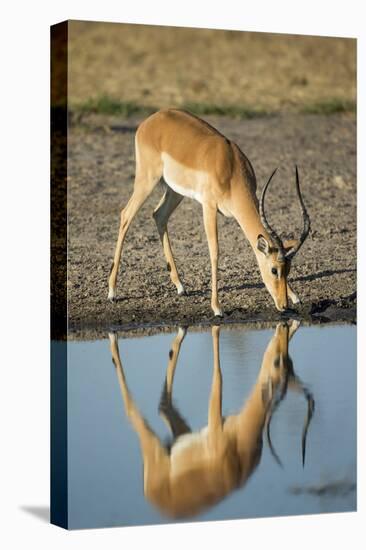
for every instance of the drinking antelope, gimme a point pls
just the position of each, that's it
(196, 161)
(199, 469)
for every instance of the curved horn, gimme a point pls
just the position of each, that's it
(306, 219)
(273, 235)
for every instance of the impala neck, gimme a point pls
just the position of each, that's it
(254, 410)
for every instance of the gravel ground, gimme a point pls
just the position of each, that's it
(100, 181)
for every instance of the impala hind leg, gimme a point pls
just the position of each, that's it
(170, 414)
(210, 222)
(143, 188)
(162, 213)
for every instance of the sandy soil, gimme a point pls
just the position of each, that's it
(100, 181)
(168, 66)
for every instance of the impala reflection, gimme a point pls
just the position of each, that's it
(198, 469)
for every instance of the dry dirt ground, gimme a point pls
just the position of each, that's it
(100, 181)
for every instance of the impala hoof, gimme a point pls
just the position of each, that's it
(218, 312)
(295, 323)
(182, 331)
(111, 296)
(180, 289)
(112, 337)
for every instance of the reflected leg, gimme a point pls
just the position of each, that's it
(215, 403)
(174, 420)
(155, 457)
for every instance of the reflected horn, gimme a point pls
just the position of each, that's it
(272, 406)
(299, 386)
(310, 412)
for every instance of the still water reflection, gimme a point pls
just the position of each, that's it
(251, 430)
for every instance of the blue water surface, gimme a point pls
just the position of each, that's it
(105, 467)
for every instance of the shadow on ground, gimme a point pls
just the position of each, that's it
(40, 512)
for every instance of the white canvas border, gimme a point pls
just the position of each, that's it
(25, 244)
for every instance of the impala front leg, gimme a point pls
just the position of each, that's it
(210, 222)
(293, 326)
(292, 295)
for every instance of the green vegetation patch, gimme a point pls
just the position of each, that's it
(110, 106)
(329, 107)
(234, 111)
(107, 105)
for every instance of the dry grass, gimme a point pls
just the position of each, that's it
(155, 67)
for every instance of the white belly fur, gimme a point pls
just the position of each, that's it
(187, 440)
(191, 193)
(183, 180)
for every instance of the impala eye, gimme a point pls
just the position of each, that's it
(274, 270)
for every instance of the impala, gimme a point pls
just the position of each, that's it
(196, 161)
(196, 470)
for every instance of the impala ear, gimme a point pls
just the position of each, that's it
(263, 245)
(288, 244)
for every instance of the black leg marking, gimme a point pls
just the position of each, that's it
(168, 266)
(171, 354)
(111, 269)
